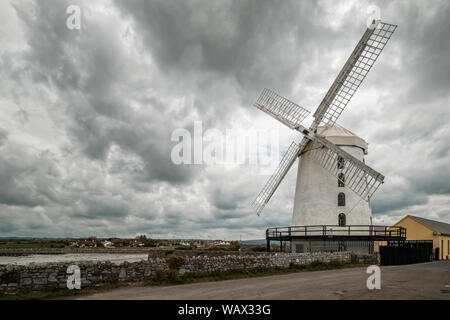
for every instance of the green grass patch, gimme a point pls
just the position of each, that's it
(31, 245)
(58, 292)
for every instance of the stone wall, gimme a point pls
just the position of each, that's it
(249, 261)
(372, 259)
(162, 253)
(31, 277)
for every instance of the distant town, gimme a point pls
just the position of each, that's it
(140, 241)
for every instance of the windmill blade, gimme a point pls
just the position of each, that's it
(359, 177)
(353, 73)
(282, 109)
(276, 178)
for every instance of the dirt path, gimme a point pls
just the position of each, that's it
(423, 281)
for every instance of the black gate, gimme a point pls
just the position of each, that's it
(406, 252)
(436, 254)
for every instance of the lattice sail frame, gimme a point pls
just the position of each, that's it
(286, 163)
(353, 73)
(359, 177)
(282, 109)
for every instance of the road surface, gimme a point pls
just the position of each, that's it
(421, 281)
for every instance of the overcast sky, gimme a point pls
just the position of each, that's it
(87, 115)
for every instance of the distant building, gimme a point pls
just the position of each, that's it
(137, 243)
(108, 244)
(84, 243)
(221, 243)
(418, 228)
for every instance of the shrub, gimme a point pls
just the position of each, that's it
(335, 263)
(315, 263)
(185, 248)
(296, 266)
(175, 262)
(234, 245)
(260, 248)
(172, 275)
(160, 275)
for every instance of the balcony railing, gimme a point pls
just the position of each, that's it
(330, 231)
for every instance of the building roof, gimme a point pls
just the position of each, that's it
(341, 136)
(335, 130)
(437, 226)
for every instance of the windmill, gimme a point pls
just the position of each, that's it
(344, 166)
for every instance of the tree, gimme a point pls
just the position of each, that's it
(147, 242)
(235, 245)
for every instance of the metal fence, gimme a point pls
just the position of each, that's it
(329, 231)
(406, 252)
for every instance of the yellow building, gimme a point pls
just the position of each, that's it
(424, 229)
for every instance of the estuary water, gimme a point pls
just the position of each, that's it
(116, 258)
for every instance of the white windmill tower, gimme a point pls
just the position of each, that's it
(332, 176)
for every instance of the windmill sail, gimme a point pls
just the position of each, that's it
(359, 177)
(353, 73)
(282, 109)
(272, 184)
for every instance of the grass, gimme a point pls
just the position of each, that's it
(58, 292)
(172, 277)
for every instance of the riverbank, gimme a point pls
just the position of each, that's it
(14, 252)
(117, 258)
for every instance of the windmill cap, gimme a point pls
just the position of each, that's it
(342, 137)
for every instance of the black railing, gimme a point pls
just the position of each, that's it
(330, 231)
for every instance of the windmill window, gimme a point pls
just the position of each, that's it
(341, 199)
(340, 163)
(341, 180)
(342, 219)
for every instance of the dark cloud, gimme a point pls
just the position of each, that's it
(27, 179)
(255, 43)
(3, 136)
(87, 115)
(98, 99)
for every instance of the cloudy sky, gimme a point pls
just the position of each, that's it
(87, 115)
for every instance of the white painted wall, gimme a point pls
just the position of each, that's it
(316, 194)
